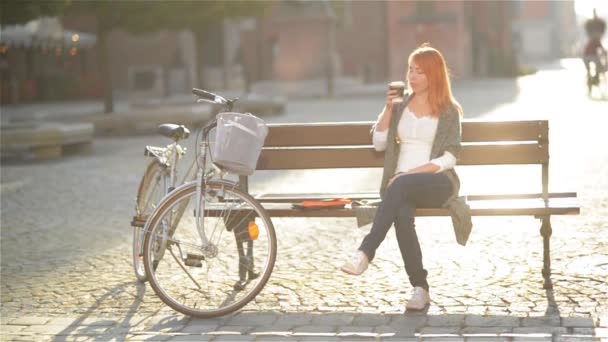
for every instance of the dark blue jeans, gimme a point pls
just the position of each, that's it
(402, 197)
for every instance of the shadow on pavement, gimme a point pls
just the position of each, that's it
(271, 325)
(89, 324)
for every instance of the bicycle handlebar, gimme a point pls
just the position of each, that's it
(204, 94)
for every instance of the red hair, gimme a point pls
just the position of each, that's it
(434, 67)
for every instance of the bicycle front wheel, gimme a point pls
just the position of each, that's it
(216, 266)
(149, 194)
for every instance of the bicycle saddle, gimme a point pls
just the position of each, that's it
(173, 131)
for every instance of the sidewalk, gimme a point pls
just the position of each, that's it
(66, 243)
(272, 326)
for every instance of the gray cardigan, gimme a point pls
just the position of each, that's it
(447, 138)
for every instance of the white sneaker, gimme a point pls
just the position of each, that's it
(420, 299)
(357, 265)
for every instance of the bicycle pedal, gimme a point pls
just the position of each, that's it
(139, 221)
(193, 263)
(195, 256)
(194, 260)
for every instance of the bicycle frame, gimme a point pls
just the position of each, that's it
(176, 151)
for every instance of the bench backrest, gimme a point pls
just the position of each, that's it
(348, 145)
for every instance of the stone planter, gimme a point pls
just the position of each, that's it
(43, 141)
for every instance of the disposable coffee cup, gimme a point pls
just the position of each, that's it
(399, 86)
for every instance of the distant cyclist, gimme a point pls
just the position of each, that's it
(594, 51)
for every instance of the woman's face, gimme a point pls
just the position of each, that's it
(417, 78)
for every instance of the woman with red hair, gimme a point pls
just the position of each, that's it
(421, 138)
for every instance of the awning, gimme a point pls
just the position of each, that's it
(44, 32)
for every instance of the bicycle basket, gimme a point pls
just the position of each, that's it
(238, 142)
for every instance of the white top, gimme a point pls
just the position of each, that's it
(416, 136)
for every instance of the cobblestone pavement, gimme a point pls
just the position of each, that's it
(65, 239)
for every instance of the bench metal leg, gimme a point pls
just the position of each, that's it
(246, 265)
(546, 231)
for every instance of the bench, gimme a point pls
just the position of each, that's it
(348, 145)
(42, 141)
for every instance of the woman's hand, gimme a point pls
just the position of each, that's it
(391, 95)
(385, 117)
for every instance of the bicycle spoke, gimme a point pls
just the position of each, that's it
(183, 268)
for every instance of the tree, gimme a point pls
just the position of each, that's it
(132, 16)
(200, 16)
(16, 12)
(148, 16)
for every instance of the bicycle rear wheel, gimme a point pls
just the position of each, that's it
(208, 280)
(149, 194)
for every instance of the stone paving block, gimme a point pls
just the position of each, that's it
(10, 328)
(274, 329)
(371, 320)
(439, 331)
(205, 329)
(148, 337)
(603, 320)
(569, 338)
(531, 338)
(253, 319)
(164, 323)
(583, 331)
(316, 329)
(486, 339)
(493, 321)
(540, 321)
(399, 338)
(414, 322)
(317, 339)
(66, 321)
(486, 330)
(241, 329)
(49, 329)
(190, 338)
(274, 338)
(577, 322)
(119, 333)
(601, 332)
(233, 338)
(446, 320)
(358, 332)
(390, 331)
(540, 330)
(332, 319)
(37, 338)
(294, 319)
(87, 330)
(104, 322)
(30, 320)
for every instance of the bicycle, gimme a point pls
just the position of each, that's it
(597, 69)
(159, 179)
(207, 273)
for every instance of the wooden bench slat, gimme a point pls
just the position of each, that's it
(429, 212)
(358, 133)
(298, 197)
(488, 131)
(555, 206)
(366, 156)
